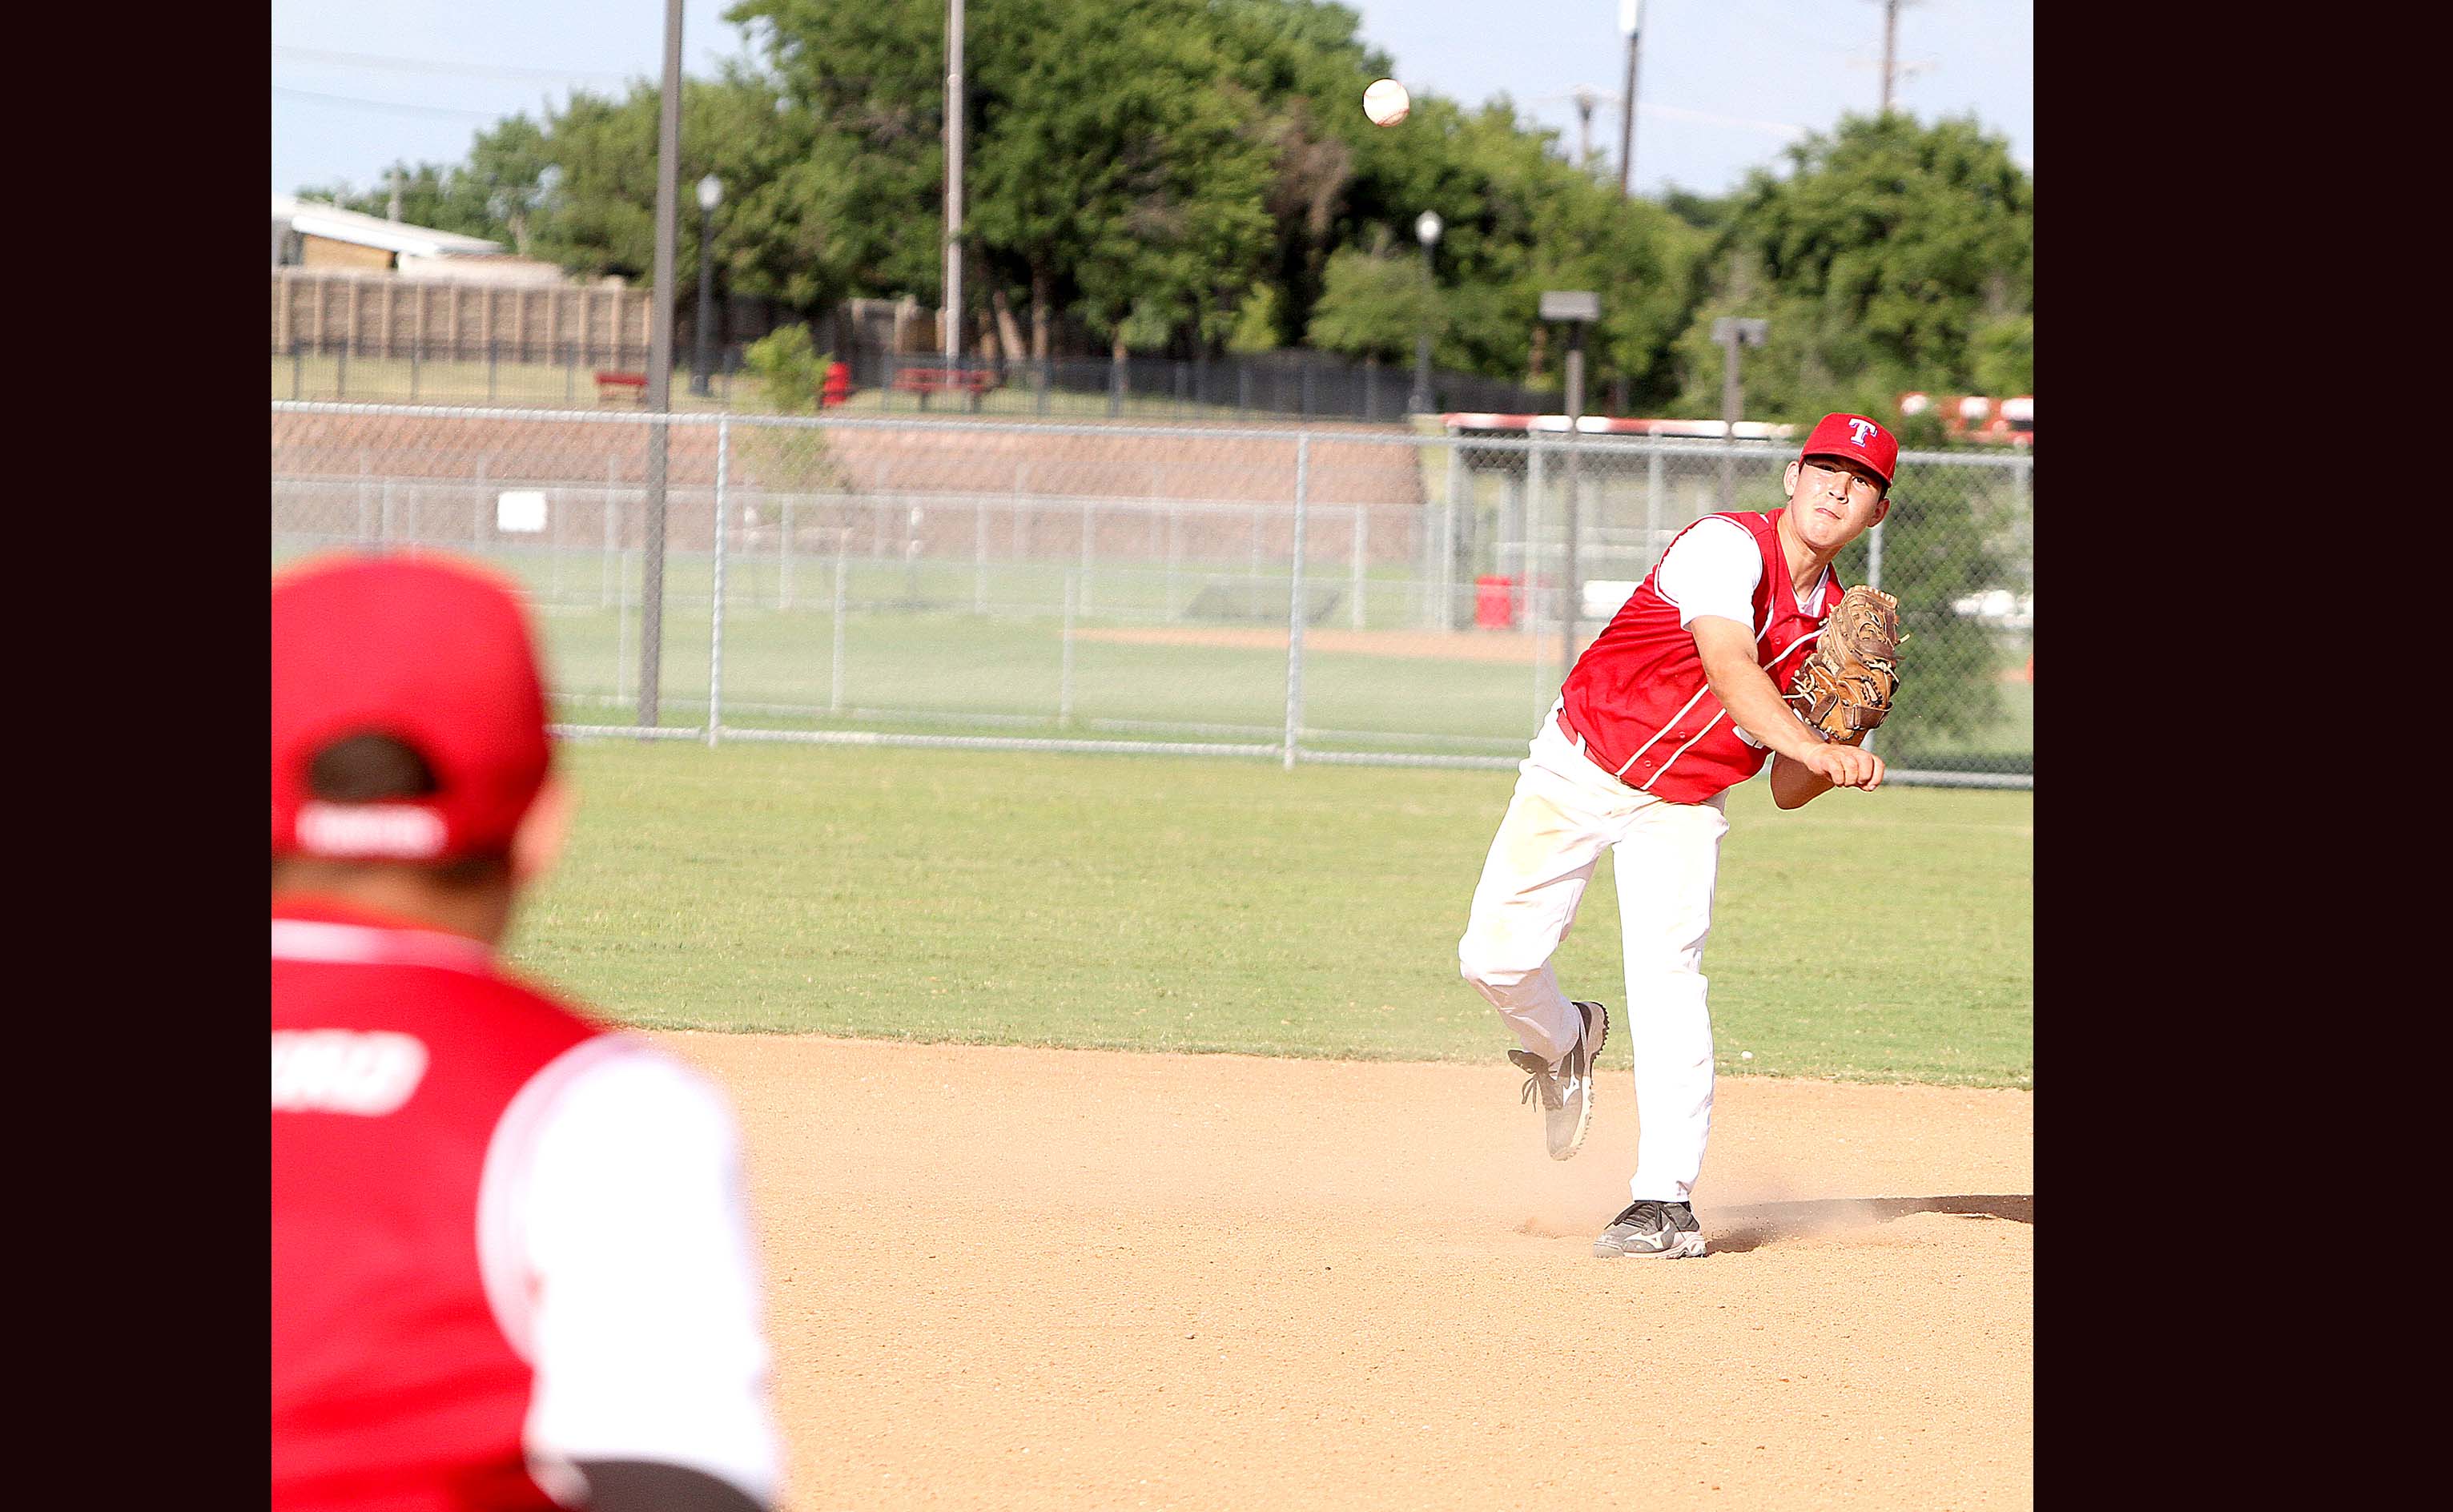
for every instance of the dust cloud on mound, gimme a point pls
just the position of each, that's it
(1054, 1279)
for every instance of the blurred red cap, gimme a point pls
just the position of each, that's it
(436, 654)
(1858, 439)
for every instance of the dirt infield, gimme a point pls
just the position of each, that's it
(1040, 1279)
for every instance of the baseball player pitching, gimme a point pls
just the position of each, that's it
(510, 1265)
(1737, 646)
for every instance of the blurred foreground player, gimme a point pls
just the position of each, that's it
(510, 1265)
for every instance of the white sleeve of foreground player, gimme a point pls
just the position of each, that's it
(645, 1326)
(1712, 570)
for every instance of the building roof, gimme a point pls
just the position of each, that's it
(309, 218)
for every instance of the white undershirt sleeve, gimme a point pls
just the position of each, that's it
(644, 1321)
(1712, 570)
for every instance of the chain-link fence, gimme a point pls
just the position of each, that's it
(1335, 593)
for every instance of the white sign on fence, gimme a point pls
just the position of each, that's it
(520, 509)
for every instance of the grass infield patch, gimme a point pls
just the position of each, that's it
(1207, 905)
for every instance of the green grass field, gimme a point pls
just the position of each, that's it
(1180, 904)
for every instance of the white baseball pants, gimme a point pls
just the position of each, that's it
(1565, 810)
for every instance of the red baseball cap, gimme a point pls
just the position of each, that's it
(434, 653)
(1857, 438)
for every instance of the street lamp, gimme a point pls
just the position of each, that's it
(710, 194)
(1426, 231)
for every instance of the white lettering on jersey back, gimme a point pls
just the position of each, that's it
(370, 830)
(369, 1073)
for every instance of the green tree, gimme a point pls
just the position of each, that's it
(1374, 305)
(1876, 261)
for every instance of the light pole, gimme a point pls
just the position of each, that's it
(1730, 333)
(953, 318)
(1426, 231)
(1630, 14)
(710, 194)
(1579, 308)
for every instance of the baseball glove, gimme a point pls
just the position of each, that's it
(1845, 683)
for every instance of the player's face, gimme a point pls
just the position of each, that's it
(1834, 499)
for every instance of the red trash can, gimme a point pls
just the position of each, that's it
(1494, 604)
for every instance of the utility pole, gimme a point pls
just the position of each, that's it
(1629, 15)
(1892, 68)
(1731, 334)
(1891, 48)
(952, 317)
(660, 372)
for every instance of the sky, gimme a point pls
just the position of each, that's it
(1722, 86)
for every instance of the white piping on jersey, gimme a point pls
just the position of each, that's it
(1664, 729)
(1646, 786)
(321, 943)
(1794, 645)
(503, 1187)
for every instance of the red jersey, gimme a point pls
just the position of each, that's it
(1639, 697)
(396, 1054)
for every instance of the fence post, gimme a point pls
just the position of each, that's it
(612, 534)
(384, 526)
(715, 627)
(297, 369)
(413, 365)
(1116, 386)
(1528, 601)
(980, 556)
(478, 513)
(1047, 377)
(835, 677)
(1064, 677)
(1090, 534)
(365, 526)
(622, 626)
(1652, 503)
(341, 372)
(493, 354)
(1295, 601)
(1362, 533)
(570, 373)
(1449, 544)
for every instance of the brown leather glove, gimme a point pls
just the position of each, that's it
(1845, 683)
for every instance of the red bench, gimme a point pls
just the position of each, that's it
(610, 386)
(925, 380)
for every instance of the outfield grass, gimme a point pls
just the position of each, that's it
(1161, 903)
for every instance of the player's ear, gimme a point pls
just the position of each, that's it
(1881, 507)
(1789, 479)
(537, 844)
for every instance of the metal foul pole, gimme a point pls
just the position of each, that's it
(660, 368)
(952, 316)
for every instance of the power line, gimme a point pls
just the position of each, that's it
(400, 65)
(396, 105)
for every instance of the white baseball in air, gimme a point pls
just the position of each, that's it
(1386, 102)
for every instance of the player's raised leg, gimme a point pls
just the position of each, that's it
(1532, 883)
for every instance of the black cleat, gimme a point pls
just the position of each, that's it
(1566, 1085)
(1650, 1227)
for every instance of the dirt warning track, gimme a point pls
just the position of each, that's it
(1007, 1278)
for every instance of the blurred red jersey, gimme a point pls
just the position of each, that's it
(399, 1056)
